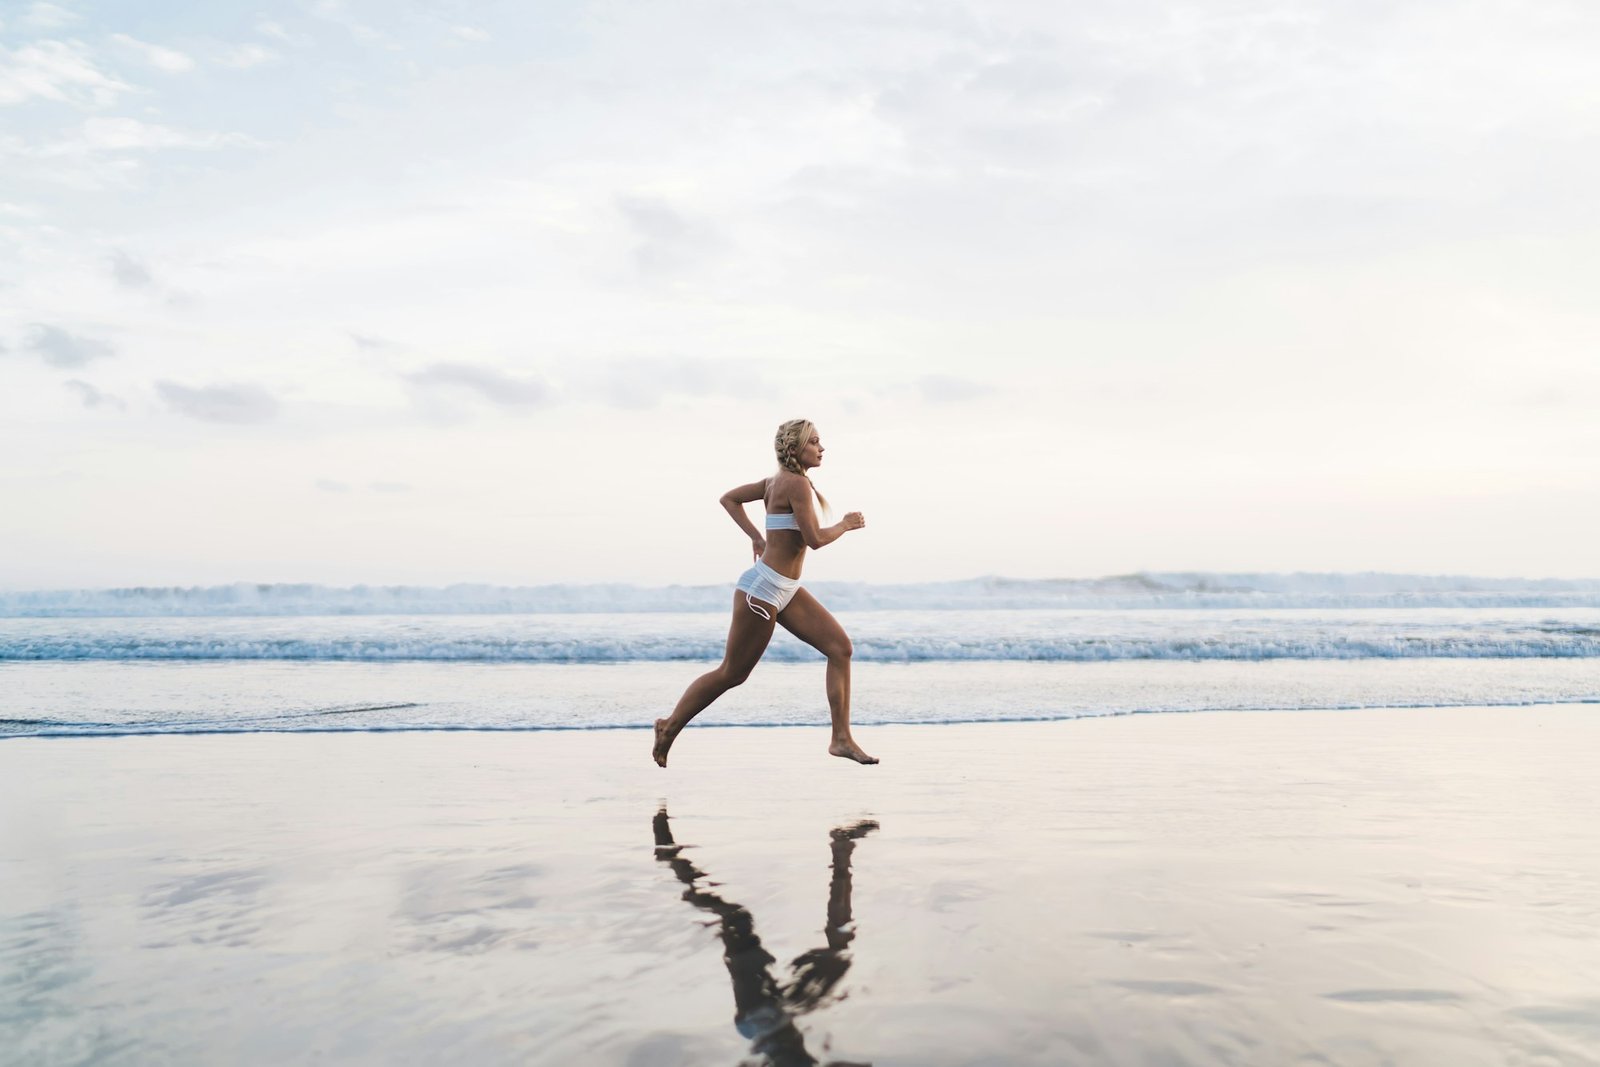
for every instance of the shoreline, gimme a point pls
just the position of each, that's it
(698, 726)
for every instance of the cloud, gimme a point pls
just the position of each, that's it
(275, 30)
(1568, 394)
(238, 404)
(129, 272)
(470, 33)
(329, 485)
(370, 343)
(124, 134)
(167, 59)
(59, 348)
(492, 385)
(45, 16)
(55, 70)
(92, 397)
(245, 56)
(943, 389)
(336, 12)
(644, 383)
(669, 240)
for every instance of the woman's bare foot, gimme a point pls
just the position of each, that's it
(849, 750)
(663, 743)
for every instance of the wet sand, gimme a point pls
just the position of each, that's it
(1363, 887)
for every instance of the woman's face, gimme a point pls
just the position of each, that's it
(810, 454)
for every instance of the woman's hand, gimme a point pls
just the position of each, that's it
(758, 545)
(854, 520)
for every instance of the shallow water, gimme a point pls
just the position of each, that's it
(1364, 887)
(73, 699)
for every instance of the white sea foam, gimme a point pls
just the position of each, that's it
(131, 647)
(878, 636)
(1134, 591)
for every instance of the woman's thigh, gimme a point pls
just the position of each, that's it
(807, 619)
(748, 635)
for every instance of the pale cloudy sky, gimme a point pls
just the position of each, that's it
(401, 292)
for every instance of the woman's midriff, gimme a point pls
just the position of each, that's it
(785, 553)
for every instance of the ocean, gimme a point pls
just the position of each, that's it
(297, 658)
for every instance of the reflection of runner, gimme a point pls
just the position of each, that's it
(764, 1009)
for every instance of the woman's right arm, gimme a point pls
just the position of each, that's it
(734, 500)
(805, 518)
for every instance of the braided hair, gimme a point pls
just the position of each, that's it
(788, 441)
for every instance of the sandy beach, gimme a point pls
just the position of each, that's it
(1359, 887)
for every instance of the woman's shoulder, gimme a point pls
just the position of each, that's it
(787, 481)
(787, 490)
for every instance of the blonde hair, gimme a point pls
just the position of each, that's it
(791, 436)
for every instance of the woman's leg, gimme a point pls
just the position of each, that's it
(748, 635)
(807, 619)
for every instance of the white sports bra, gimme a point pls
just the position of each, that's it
(783, 520)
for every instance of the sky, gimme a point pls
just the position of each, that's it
(394, 292)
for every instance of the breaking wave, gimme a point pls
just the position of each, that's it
(1132, 591)
(886, 637)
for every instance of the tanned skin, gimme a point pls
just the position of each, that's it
(748, 633)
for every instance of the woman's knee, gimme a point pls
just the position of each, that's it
(733, 676)
(841, 650)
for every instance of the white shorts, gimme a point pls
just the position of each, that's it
(762, 583)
